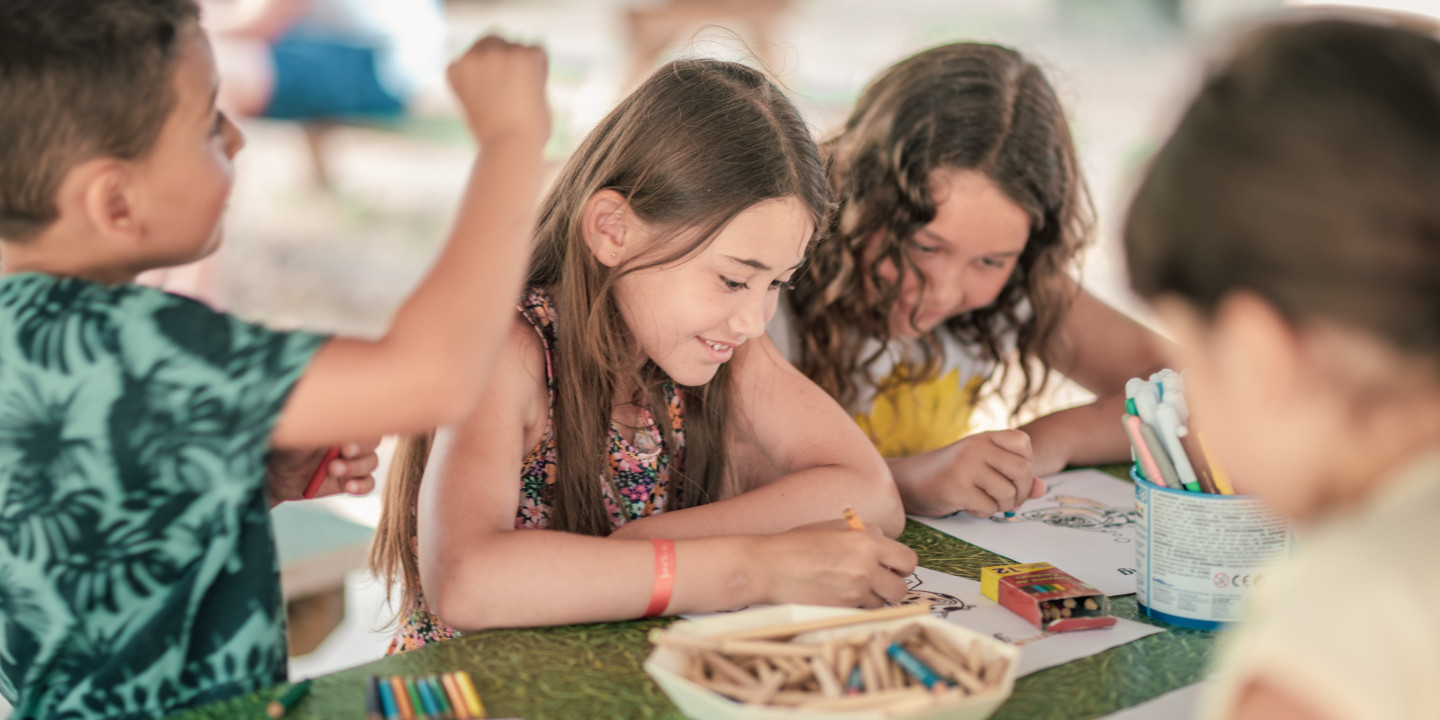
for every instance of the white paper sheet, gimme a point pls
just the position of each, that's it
(1084, 525)
(1178, 704)
(960, 601)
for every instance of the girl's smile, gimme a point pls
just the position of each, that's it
(719, 352)
(690, 317)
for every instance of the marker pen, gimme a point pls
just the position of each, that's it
(1146, 461)
(1157, 451)
(1147, 398)
(1169, 430)
(1172, 392)
(1222, 480)
(1196, 455)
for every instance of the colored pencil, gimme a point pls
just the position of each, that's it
(402, 698)
(472, 698)
(373, 708)
(457, 698)
(427, 697)
(292, 697)
(419, 705)
(387, 699)
(438, 690)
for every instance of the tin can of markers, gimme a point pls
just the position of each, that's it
(1198, 555)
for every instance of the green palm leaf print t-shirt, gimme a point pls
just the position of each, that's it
(137, 566)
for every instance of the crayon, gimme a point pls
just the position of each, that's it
(278, 707)
(319, 477)
(472, 698)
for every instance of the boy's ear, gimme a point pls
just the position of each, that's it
(605, 225)
(1262, 352)
(108, 201)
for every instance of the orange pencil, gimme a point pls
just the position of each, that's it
(457, 698)
(853, 519)
(403, 703)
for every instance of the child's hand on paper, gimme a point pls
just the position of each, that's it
(982, 474)
(501, 86)
(823, 564)
(287, 472)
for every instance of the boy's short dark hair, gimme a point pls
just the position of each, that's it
(79, 79)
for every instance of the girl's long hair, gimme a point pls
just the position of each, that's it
(966, 106)
(694, 146)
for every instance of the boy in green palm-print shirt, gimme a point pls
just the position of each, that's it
(137, 569)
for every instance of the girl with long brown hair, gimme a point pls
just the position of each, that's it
(592, 482)
(961, 209)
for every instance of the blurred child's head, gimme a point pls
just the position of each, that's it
(1288, 233)
(109, 131)
(960, 200)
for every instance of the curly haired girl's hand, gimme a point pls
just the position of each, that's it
(982, 474)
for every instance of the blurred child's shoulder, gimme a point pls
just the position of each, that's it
(55, 296)
(66, 325)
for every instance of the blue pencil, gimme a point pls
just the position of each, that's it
(387, 700)
(427, 697)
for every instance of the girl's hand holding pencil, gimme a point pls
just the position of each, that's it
(980, 474)
(831, 564)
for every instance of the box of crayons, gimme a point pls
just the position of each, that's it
(1051, 599)
(803, 662)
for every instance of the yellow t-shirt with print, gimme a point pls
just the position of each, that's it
(916, 417)
(908, 418)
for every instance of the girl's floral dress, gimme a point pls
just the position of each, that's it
(640, 470)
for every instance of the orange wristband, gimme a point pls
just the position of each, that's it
(664, 577)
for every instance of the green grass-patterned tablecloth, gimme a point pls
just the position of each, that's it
(594, 671)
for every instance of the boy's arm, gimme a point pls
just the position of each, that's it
(260, 19)
(428, 368)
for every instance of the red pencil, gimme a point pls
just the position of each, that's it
(321, 472)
